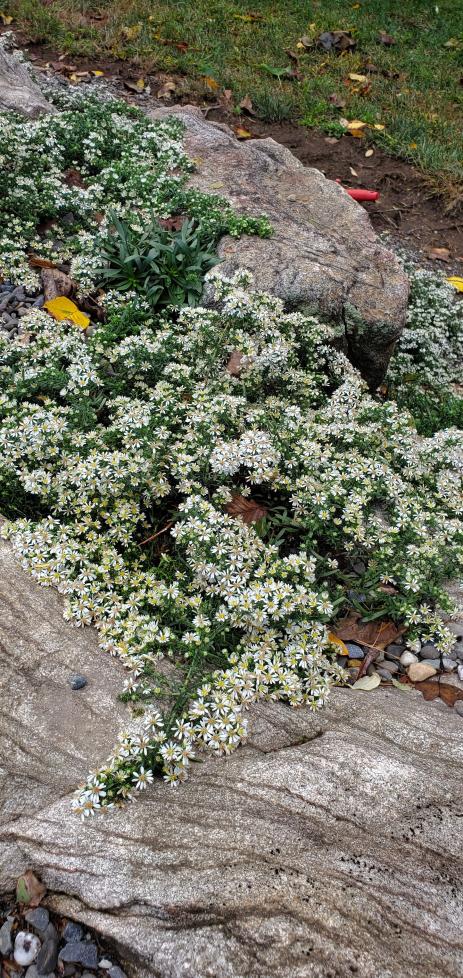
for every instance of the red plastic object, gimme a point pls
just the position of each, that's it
(361, 194)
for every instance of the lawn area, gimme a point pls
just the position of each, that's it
(412, 84)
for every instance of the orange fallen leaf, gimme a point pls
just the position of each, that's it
(343, 650)
(211, 83)
(241, 133)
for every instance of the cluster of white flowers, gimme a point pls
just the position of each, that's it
(430, 350)
(139, 433)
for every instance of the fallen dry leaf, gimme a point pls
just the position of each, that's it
(342, 649)
(336, 41)
(358, 78)
(29, 889)
(386, 39)
(135, 84)
(246, 509)
(55, 283)
(62, 308)
(246, 105)
(36, 262)
(432, 689)
(439, 254)
(73, 178)
(167, 90)
(374, 634)
(456, 281)
(211, 84)
(249, 18)
(235, 364)
(367, 682)
(241, 133)
(6, 19)
(337, 101)
(132, 32)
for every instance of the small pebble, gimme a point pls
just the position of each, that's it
(47, 958)
(435, 663)
(355, 651)
(460, 672)
(6, 943)
(32, 972)
(394, 649)
(390, 667)
(38, 918)
(429, 651)
(456, 627)
(448, 664)
(418, 671)
(115, 972)
(80, 952)
(407, 658)
(73, 932)
(26, 948)
(383, 673)
(105, 964)
(458, 707)
(77, 681)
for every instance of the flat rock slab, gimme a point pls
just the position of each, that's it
(330, 845)
(324, 255)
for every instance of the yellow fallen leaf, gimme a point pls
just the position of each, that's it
(379, 126)
(74, 78)
(130, 33)
(356, 124)
(98, 74)
(62, 308)
(343, 650)
(357, 133)
(357, 78)
(6, 19)
(457, 282)
(243, 133)
(413, 145)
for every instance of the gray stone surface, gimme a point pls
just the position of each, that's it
(18, 91)
(330, 845)
(323, 256)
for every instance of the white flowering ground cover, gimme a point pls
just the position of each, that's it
(121, 451)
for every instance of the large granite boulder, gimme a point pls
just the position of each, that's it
(324, 254)
(18, 90)
(331, 845)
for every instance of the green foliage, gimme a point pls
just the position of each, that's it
(168, 267)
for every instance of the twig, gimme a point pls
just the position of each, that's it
(158, 534)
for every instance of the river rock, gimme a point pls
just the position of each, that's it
(18, 90)
(419, 671)
(323, 256)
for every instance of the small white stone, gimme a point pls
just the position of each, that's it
(418, 671)
(407, 658)
(26, 948)
(460, 672)
(105, 964)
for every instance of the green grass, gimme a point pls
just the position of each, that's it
(416, 91)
